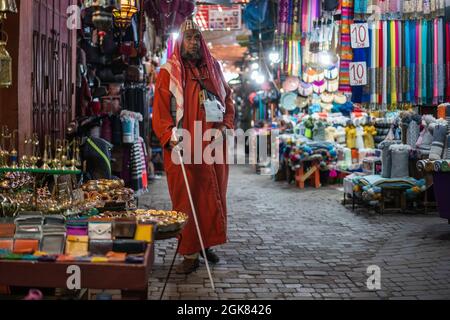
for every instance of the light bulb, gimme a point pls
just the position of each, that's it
(255, 66)
(274, 57)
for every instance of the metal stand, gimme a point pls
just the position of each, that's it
(171, 267)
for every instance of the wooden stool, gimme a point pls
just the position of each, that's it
(313, 174)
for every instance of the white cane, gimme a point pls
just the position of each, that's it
(194, 213)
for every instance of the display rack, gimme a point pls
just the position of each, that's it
(40, 171)
(131, 278)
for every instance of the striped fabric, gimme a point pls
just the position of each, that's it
(136, 166)
(346, 49)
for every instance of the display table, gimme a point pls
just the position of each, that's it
(131, 278)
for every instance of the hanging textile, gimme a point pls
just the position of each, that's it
(447, 60)
(361, 9)
(346, 49)
(361, 94)
(441, 72)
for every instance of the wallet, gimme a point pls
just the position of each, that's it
(77, 245)
(135, 259)
(53, 239)
(34, 218)
(116, 257)
(55, 220)
(7, 230)
(145, 232)
(7, 244)
(24, 246)
(100, 230)
(129, 246)
(28, 232)
(99, 260)
(124, 228)
(77, 230)
(100, 247)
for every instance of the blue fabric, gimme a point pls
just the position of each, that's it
(257, 15)
(360, 6)
(361, 94)
(412, 70)
(407, 58)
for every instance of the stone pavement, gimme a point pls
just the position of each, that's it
(287, 243)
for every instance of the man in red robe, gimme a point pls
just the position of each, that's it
(179, 104)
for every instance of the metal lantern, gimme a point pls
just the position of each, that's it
(102, 17)
(5, 64)
(123, 15)
(7, 6)
(102, 20)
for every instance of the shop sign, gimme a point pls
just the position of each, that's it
(219, 17)
(359, 35)
(358, 73)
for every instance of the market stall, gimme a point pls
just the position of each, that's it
(362, 94)
(74, 201)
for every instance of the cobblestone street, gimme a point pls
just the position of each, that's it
(286, 243)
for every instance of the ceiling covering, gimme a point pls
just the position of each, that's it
(224, 46)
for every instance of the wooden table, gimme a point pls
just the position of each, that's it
(131, 278)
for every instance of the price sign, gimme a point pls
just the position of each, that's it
(358, 73)
(359, 35)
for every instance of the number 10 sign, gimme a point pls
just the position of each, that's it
(358, 73)
(359, 35)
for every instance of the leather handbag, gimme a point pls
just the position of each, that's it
(100, 247)
(129, 246)
(53, 239)
(24, 246)
(7, 244)
(124, 228)
(7, 230)
(145, 232)
(100, 230)
(135, 73)
(77, 245)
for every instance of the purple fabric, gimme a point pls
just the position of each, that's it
(441, 181)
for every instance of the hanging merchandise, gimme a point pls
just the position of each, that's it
(346, 54)
(5, 63)
(290, 37)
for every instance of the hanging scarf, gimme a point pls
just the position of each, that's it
(385, 63)
(435, 62)
(413, 61)
(407, 56)
(441, 74)
(447, 62)
(374, 27)
(346, 49)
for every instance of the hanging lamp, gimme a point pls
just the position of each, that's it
(102, 17)
(124, 14)
(7, 6)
